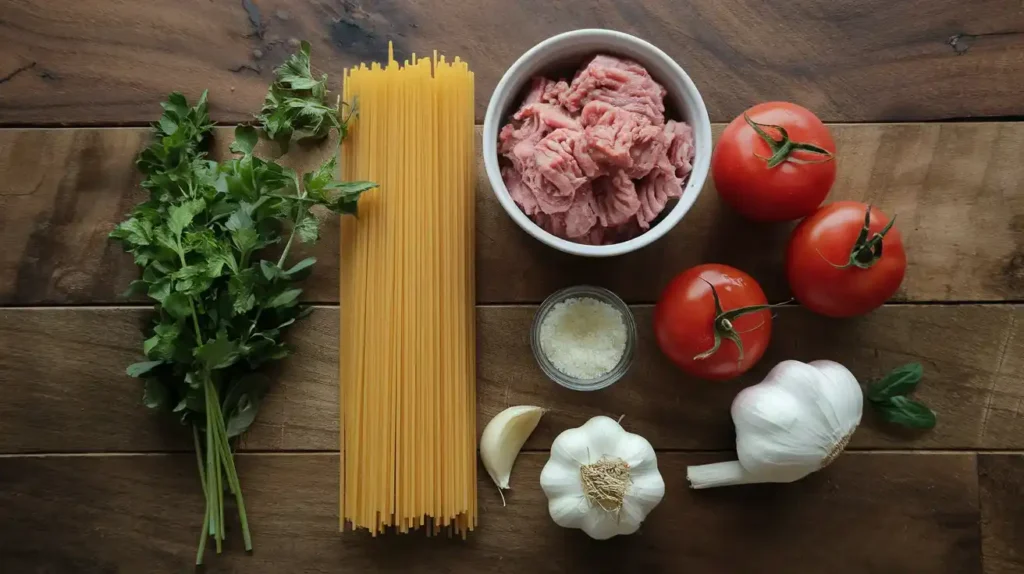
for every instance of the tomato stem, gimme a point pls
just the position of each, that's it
(722, 325)
(867, 250)
(783, 148)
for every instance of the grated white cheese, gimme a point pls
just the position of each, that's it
(583, 337)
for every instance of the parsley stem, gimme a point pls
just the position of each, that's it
(291, 238)
(300, 211)
(221, 440)
(199, 456)
(220, 498)
(212, 467)
(192, 305)
(206, 495)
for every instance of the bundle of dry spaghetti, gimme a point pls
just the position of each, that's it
(408, 391)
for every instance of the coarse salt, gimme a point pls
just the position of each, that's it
(583, 337)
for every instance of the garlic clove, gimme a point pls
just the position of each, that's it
(636, 451)
(560, 477)
(604, 525)
(645, 492)
(604, 435)
(503, 438)
(565, 510)
(845, 396)
(572, 445)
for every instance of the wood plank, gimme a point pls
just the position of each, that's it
(999, 482)
(916, 513)
(63, 371)
(110, 62)
(75, 397)
(954, 187)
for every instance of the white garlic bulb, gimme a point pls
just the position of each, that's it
(601, 479)
(795, 422)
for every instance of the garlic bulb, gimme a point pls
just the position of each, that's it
(503, 438)
(794, 422)
(601, 479)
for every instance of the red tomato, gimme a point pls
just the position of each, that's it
(784, 172)
(832, 270)
(687, 321)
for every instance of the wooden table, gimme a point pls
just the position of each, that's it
(923, 96)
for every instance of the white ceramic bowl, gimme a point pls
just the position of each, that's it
(568, 52)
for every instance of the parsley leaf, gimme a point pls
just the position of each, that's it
(219, 353)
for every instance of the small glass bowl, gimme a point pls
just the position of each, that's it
(563, 379)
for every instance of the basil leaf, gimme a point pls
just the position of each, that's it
(901, 381)
(907, 412)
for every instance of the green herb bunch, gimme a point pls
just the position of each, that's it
(222, 302)
(296, 107)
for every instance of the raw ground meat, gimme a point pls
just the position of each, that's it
(553, 173)
(530, 124)
(594, 161)
(575, 223)
(654, 192)
(649, 146)
(621, 83)
(609, 133)
(543, 90)
(680, 150)
(615, 199)
(521, 194)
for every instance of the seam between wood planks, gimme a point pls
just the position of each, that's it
(857, 451)
(497, 305)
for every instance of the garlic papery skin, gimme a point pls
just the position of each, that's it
(794, 422)
(601, 479)
(503, 438)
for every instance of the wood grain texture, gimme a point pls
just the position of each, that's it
(1000, 478)
(955, 188)
(73, 396)
(142, 513)
(67, 392)
(111, 61)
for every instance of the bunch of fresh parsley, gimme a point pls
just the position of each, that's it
(222, 302)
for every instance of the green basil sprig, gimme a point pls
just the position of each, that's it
(889, 397)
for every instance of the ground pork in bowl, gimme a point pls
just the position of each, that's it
(596, 142)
